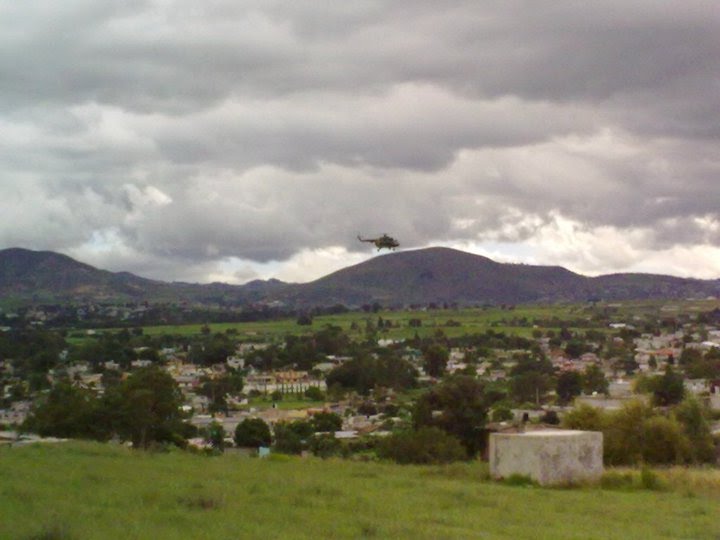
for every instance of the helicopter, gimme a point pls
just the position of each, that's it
(383, 241)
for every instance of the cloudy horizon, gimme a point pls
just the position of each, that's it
(237, 140)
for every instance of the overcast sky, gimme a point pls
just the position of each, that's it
(228, 140)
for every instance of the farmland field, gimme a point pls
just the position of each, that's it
(519, 320)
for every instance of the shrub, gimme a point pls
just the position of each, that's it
(314, 393)
(584, 417)
(502, 414)
(325, 446)
(664, 441)
(427, 445)
(694, 419)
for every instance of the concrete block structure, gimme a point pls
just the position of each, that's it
(550, 457)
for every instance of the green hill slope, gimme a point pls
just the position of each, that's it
(91, 491)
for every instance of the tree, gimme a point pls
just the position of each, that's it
(594, 380)
(326, 421)
(569, 385)
(669, 388)
(427, 445)
(145, 408)
(68, 411)
(365, 372)
(218, 388)
(575, 347)
(252, 433)
(216, 436)
(292, 437)
(436, 359)
(457, 406)
(529, 387)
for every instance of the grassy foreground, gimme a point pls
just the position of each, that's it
(87, 491)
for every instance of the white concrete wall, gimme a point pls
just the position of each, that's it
(549, 457)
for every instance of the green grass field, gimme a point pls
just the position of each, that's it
(92, 491)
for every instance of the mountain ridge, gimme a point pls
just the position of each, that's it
(422, 276)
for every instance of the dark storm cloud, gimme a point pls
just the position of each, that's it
(172, 130)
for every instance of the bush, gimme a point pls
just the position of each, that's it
(314, 393)
(584, 417)
(694, 419)
(427, 445)
(502, 414)
(325, 446)
(664, 441)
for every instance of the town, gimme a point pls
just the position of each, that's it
(355, 383)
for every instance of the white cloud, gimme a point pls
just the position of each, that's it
(234, 139)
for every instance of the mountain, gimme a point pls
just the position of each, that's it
(447, 275)
(45, 276)
(439, 275)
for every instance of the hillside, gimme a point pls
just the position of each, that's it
(94, 491)
(439, 275)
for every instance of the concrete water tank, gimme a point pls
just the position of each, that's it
(549, 457)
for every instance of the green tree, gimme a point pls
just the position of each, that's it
(68, 412)
(217, 389)
(530, 386)
(569, 385)
(216, 436)
(365, 372)
(252, 433)
(326, 421)
(436, 359)
(145, 408)
(459, 407)
(594, 380)
(669, 388)
(292, 437)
